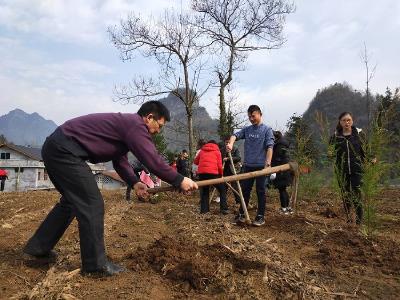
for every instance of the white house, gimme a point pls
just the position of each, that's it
(109, 180)
(25, 168)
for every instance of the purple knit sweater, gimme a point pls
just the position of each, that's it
(109, 136)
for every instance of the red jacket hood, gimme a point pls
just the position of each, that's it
(210, 147)
(209, 160)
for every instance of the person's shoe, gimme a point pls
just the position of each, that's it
(45, 257)
(289, 211)
(217, 200)
(282, 210)
(33, 249)
(239, 218)
(51, 255)
(224, 211)
(109, 269)
(259, 221)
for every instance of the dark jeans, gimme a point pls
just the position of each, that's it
(284, 197)
(234, 184)
(351, 194)
(247, 185)
(2, 182)
(205, 194)
(81, 198)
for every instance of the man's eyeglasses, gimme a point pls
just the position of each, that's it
(160, 126)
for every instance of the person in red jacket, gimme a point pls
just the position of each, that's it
(209, 161)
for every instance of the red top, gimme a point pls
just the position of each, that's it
(209, 160)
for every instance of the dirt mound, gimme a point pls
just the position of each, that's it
(329, 213)
(346, 249)
(183, 260)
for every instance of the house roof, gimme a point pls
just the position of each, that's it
(112, 174)
(34, 153)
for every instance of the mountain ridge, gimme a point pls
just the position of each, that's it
(25, 129)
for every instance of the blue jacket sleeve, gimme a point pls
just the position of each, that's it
(240, 134)
(269, 139)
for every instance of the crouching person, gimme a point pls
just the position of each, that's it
(98, 138)
(209, 161)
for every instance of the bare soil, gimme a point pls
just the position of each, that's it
(172, 252)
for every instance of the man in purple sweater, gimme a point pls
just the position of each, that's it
(98, 138)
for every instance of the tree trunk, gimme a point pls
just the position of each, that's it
(189, 102)
(223, 122)
(191, 136)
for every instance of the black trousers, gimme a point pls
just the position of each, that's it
(81, 198)
(205, 194)
(283, 196)
(247, 185)
(2, 182)
(235, 185)
(350, 187)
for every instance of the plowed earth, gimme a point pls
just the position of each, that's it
(172, 252)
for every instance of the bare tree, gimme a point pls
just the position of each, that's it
(236, 115)
(369, 75)
(236, 27)
(174, 42)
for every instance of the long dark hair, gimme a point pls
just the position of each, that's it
(339, 128)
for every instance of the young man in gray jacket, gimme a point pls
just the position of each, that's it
(258, 145)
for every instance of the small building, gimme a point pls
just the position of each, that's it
(109, 180)
(26, 170)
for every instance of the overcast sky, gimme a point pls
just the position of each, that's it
(56, 57)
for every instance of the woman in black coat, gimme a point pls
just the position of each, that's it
(349, 155)
(280, 156)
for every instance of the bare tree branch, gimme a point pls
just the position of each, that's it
(174, 42)
(236, 27)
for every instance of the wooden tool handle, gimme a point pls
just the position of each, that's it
(267, 171)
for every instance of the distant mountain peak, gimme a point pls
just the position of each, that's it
(24, 129)
(16, 111)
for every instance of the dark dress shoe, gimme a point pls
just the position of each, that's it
(109, 269)
(36, 252)
(40, 258)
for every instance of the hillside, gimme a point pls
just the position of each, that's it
(175, 132)
(335, 99)
(25, 129)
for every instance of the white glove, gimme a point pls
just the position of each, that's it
(272, 176)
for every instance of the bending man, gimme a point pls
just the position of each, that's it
(98, 138)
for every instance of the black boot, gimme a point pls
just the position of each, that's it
(39, 256)
(109, 269)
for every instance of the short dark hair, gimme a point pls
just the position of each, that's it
(184, 151)
(156, 108)
(253, 108)
(227, 137)
(277, 134)
(200, 143)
